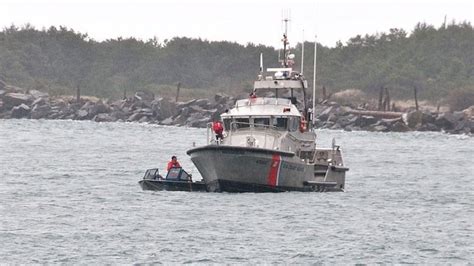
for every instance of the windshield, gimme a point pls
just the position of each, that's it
(261, 122)
(280, 123)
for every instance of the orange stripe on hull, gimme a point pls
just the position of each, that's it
(272, 178)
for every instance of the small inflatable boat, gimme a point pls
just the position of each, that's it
(176, 180)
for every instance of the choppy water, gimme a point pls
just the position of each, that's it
(69, 194)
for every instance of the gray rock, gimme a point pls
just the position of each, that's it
(38, 94)
(428, 127)
(186, 104)
(221, 98)
(399, 126)
(39, 101)
(14, 99)
(323, 116)
(379, 128)
(332, 117)
(40, 111)
(82, 114)
(134, 117)
(144, 119)
(365, 121)
(103, 117)
(164, 108)
(414, 119)
(203, 103)
(146, 96)
(196, 109)
(20, 111)
(168, 121)
(446, 121)
(99, 108)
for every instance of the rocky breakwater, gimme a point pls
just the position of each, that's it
(142, 107)
(335, 116)
(145, 107)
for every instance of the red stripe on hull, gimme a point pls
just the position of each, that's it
(274, 167)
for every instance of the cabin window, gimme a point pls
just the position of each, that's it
(280, 123)
(227, 123)
(293, 124)
(261, 122)
(241, 123)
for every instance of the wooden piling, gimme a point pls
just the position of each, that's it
(416, 97)
(387, 99)
(178, 86)
(380, 99)
(78, 94)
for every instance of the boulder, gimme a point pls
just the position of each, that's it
(324, 115)
(221, 98)
(413, 119)
(332, 117)
(20, 111)
(469, 112)
(144, 119)
(365, 121)
(38, 94)
(203, 103)
(196, 109)
(39, 101)
(82, 114)
(164, 108)
(104, 117)
(146, 96)
(378, 128)
(3, 84)
(14, 99)
(201, 123)
(399, 126)
(346, 120)
(40, 111)
(186, 104)
(427, 117)
(446, 121)
(135, 117)
(168, 121)
(428, 127)
(99, 108)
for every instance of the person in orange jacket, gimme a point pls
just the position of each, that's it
(173, 163)
(218, 129)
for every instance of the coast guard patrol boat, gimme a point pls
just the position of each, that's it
(268, 145)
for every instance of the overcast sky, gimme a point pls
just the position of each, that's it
(257, 21)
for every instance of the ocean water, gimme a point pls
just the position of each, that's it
(69, 194)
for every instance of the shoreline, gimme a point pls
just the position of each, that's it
(146, 108)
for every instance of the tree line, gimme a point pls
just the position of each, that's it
(59, 60)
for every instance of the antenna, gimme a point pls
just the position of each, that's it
(302, 55)
(261, 64)
(314, 75)
(285, 19)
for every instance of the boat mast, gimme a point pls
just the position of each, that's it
(302, 55)
(285, 42)
(314, 76)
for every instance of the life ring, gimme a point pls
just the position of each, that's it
(303, 124)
